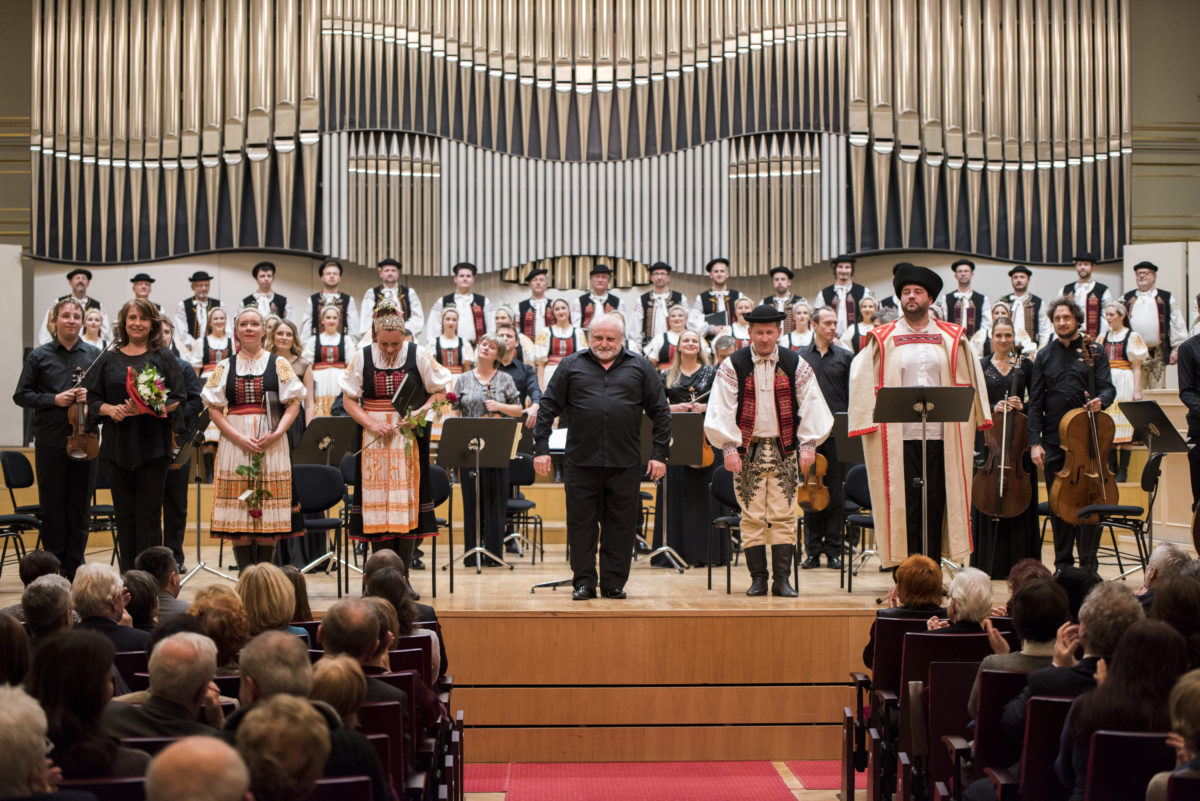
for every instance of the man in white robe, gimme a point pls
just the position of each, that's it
(917, 350)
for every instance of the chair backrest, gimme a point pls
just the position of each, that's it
(1121, 764)
(101, 478)
(520, 470)
(228, 685)
(342, 788)
(993, 747)
(386, 717)
(722, 487)
(424, 644)
(383, 749)
(949, 690)
(408, 681)
(1044, 721)
(920, 649)
(151, 745)
(311, 627)
(318, 487)
(889, 648)
(1002, 623)
(349, 468)
(858, 487)
(409, 659)
(1184, 786)
(439, 484)
(18, 472)
(125, 788)
(314, 655)
(1151, 473)
(130, 662)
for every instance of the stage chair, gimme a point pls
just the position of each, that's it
(1134, 519)
(18, 474)
(13, 527)
(858, 492)
(103, 516)
(125, 788)
(721, 490)
(1037, 780)
(1121, 764)
(1184, 786)
(319, 488)
(342, 788)
(992, 748)
(519, 510)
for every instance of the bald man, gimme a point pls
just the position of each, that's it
(198, 769)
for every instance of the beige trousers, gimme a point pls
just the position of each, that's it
(766, 492)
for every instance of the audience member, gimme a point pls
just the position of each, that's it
(1023, 571)
(340, 682)
(14, 651)
(220, 610)
(1038, 609)
(425, 613)
(175, 624)
(71, 677)
(355, 628)
(182, 667)
(1078, 583)
(1130, 695)
(390, 622)
(284, 741)
(142, 605)
(390, 584)
(33, 565)
(1177, 603)
(1164, 564)
(160, 562)
(100, 600)
(970, 603)
(198, 769)
(48, 606)
(1191, 569)
(269, 599)
(917, 593)
(24, 769)
(1185, 732)
(303, 612)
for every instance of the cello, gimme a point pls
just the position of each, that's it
(1001, 487)
(1087, 438)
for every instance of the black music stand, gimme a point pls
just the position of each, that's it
(194, 439)
(924, 405)
(324, 441)
(687, 440)
(1152, 426)
(473, 443)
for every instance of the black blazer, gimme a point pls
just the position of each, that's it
(123, 637)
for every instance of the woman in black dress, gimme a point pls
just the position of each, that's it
(135, 447)
(1000, 545)
(687, 382)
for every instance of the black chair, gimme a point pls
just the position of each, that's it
(18, 474)
(519, 512)
(728, 518)
(319, 488)
(103, 516)
(349, 468)
(858, 492)
(1133, 519)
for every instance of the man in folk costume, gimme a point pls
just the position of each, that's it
(1154, 313)
(964, 306)
(330, 273)
(918, 350)
(782, 298)
(191, 314)
(717, 300)
(653, 306)
(533, 313)
(475, 314)
(1025, 308)
(1089, 295)
(843, 295)
(590, 305)
(79, 279)
(403, 297)
(266, 298)
(767, 415)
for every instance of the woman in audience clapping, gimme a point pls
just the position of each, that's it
(970, 604)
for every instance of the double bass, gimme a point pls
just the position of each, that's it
(1001, 487)
(1087, 438)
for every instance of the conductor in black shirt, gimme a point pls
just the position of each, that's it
(1189, 393)
(1060, 384)
(604, 389)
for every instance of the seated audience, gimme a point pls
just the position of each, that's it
(1164, 564)
(390, 622)
(390, 584)
(33, 565)
(269, 599)
(1023, 571)
(355, 628)
(220, 610)
(1177, 603)
(24, 769)
(917, 593)
(14, 651)
(48, 607)
(275, 663)
(142, 605)
(182, 667)
(171, 626)
(386, 557)
(1038, 609)
(1130, 695)
(71, 677)
(1078, 583)
(284, 742)
(99, 597)
(198, 769)
(1184, 706)
(340, 682)
(160, 562)
(303, 612)
(970, 604)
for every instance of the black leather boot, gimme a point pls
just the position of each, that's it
(781, 570)
(756, 561)
(244, 556)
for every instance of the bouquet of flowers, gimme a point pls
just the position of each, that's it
(257, 494)
(147, 389)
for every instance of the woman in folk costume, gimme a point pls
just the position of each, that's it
(393, 503)
(448, 348)
(801, 335)
(558, 341)
(253, 434)
(661, 349)
(1126, 350)
(918, 350)
(328, 352)
(525, 349)
(855, 336)
(740, 329)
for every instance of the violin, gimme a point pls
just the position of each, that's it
(707, 454)
(1001, 487)
(813, 494)
(82, 445)
(1087, 438)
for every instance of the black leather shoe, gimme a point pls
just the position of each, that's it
(835, 562)
(583, 593)
(813, 560)
(615, 593)
(416, 596)
(417, 564)
(641, 547)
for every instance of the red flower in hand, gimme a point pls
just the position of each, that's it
(450, 396)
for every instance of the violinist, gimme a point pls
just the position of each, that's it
(47, 385)
(1007, 373)
(1061, 383)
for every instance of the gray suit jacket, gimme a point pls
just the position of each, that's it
(157, 717)
(168, 605)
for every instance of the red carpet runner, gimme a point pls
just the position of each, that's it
(823, 774)
(631, 781)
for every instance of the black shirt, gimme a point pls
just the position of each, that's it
(1189, 383)
(605, 407)
(1060, 384)
(833, 373)
(186, 412)
(143, 437)
(49, 369)
(525, 377)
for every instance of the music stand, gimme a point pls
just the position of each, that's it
(924, 405)
(196, 438)
(476, 442)
(687, 439)
(325, 440)
(1152, 426)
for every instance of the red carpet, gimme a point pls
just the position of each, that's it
(651, 781)
(491, 778)
(823, 774)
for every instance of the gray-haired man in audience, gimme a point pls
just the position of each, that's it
(198, 769)
(48, 607)
(182, 667)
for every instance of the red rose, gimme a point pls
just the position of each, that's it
(256, 513)
(450, 396)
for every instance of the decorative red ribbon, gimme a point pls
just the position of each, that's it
(131, 389)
